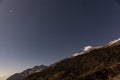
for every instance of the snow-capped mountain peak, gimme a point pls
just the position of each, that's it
(114, 42)
(90, 48)
(77, 54)
(86, 50)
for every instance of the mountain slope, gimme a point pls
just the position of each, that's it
(99, 64)
(20, 76)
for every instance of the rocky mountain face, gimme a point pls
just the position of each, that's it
(101, 63)
(22, 75)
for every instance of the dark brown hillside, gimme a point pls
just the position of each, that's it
(98, 64)
(25, 73)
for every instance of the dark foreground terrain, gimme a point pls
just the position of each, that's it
(99, 64)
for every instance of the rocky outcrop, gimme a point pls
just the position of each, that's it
(22, 75)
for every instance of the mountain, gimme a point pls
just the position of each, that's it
(115, 42)
(101, 63)
(25, 73)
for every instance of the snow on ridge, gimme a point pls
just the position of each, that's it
(90, 48)
(86, 50)
(77, 54)
(115, 41)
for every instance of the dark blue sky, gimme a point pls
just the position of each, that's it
(34, 32)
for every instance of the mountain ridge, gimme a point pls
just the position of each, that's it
(27, 72)
(98, 64)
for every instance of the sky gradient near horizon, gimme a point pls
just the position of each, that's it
(35, 32)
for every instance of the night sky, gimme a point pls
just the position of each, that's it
(35, 32)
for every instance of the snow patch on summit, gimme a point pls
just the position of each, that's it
(113, 42)
(86, 50)
(77, 54)
(90, 48)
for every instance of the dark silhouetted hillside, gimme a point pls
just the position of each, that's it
(99, 64)
(22, 75)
